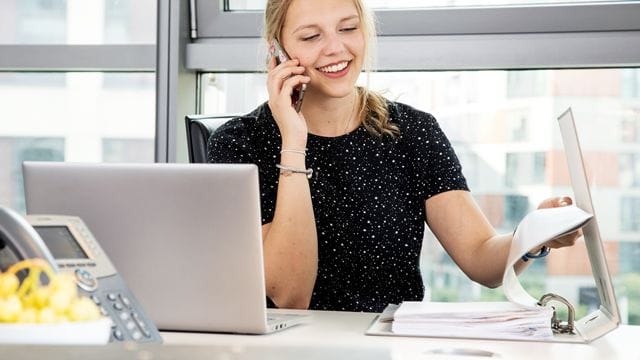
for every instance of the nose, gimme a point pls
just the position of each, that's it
(333, 44)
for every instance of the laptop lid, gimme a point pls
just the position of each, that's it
(607, 317)
(185, 237)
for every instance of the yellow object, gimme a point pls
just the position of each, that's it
(8, 284)
(32, 302)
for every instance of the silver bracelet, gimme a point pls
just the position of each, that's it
(302, 152)
(286, 171)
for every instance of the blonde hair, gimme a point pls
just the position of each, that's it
(374, 110)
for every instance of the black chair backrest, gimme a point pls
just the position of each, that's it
(199, 129)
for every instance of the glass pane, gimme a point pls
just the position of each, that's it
(84, 117)
(78, 22)
(248, 5)
(504, 129)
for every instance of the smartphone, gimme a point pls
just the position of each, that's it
(276, 51)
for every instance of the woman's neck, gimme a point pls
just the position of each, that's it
(331, 117)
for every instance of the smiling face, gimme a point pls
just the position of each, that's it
(327, 37)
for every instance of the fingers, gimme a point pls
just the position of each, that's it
(283, 78)
(278, 74)
(281, 81)
(564, 201)
(566, 240)
(555, 202)
(280, 93)
(284, 72)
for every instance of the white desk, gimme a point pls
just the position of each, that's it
(346, 330)
(334, 336)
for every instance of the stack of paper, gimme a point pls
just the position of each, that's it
(520, 318)
(502, 320)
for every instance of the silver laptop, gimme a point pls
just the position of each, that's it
(186, 237)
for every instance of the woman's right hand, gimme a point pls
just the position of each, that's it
(281, 81)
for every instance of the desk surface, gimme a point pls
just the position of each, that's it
(346, 330)
(334, 336)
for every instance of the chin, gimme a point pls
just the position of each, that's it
(340, 91)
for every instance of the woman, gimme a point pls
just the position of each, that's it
(349, 237)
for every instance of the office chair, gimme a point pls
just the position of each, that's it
(199, 128)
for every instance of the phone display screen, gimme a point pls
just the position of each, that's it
(61, 242)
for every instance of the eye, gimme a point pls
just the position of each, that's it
(349, 28)
(310, 37)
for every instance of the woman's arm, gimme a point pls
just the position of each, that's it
(471, 241)
(290, 243)
(290, 240)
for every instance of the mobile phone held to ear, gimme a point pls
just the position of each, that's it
(276, 51)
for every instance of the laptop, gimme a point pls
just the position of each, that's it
(186, 238)
(606, 318)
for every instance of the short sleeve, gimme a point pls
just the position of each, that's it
(435, 163)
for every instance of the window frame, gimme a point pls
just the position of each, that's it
(213, 21)
(74, 58)
(499, 37)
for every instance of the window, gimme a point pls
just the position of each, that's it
(244, 5)
(526, 84)
(630, 128)
(631, 84)
(77, 22)
(15, 150)
(72, 117)
(630, 170)
(629, 254)
(515, 208)
(510, 148)
(127, 150)
(517, 127)
(630, 214)
(77, 83)
(525, 169)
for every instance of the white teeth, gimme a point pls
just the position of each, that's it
(334, 68)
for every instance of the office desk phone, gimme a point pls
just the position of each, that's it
(66, 241)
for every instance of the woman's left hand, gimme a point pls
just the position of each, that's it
(566, 240)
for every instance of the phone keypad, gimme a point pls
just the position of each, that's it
(126, 322)
(125, 301)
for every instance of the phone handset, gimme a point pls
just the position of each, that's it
(277, 51)
(22, 238)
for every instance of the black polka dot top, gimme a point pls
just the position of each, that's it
(368, 196)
